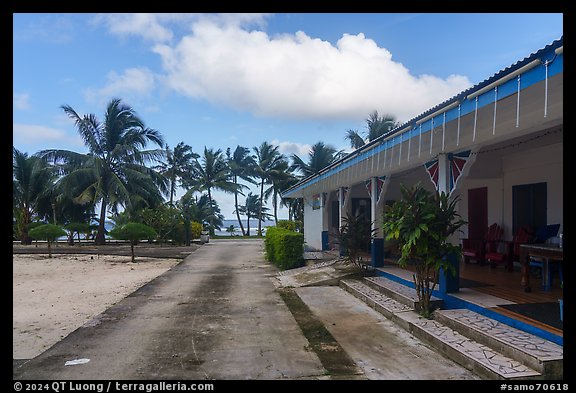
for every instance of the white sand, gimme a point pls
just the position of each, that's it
(53, 297)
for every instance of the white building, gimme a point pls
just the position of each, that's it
(499, 145)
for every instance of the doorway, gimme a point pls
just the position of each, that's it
(477, 212)
(529, 206)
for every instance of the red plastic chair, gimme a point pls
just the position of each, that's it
(512, 249)
(478, 248)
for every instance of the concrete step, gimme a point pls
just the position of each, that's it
(539, 354)
(399, 292)
(385, 305)
(481, 359)
(452, 341)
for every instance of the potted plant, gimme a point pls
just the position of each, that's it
(422, 222)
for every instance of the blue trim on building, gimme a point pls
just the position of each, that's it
(452, 302)
(393, 138)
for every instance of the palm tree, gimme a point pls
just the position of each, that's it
(241, 165)
(231, 229)
(212, 174)
(178, 166)
(268, 164)
(253, 209)
(377, 126)
(115, 166)
(319, 157)
(201, 210)
(282, 179)
(32, 180)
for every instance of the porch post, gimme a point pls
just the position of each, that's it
(340, 206)
(443, 175)
(448, 282)
(341, 201)
(325, 202)
(377, 245)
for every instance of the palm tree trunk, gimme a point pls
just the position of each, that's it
(260, 208)
(54, 212)
(49, 250)
(132, 249)
(172, 191)
(211, 227)
(275, 203)
(236, 207)
(25, 239)
(100, 238)
(248, 225)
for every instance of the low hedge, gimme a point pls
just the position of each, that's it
(284, 248)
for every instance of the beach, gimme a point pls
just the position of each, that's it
(52, 297)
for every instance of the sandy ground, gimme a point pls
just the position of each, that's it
(53, 297)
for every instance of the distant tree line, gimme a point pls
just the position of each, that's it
(130, 174)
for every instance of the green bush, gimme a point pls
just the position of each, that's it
(133, 232)
(287, 224)
(47, 232)
(284, 248)
(196, 229)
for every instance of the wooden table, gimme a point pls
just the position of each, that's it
(537, 250)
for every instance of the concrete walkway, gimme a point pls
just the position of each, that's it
(216, 315)
(379, 347)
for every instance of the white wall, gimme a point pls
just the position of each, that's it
(525, 167)
(539, 165)
(313, 220)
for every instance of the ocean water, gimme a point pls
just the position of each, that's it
(253, 227)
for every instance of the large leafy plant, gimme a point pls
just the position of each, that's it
(354, 237)
(422, 222)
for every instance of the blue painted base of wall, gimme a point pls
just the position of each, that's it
(449, 280)
(325, 241)
(377, 252)
(452, 302)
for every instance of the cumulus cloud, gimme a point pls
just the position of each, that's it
(289, 148)
(134, 83)
(297, 76)
(21, 101)
(26, 133)
(230, 60)
(154, 27)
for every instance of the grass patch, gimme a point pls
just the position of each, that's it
(333, 357)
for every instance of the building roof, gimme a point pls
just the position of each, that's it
(458, 97)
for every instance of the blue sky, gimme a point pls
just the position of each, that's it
(222, 80)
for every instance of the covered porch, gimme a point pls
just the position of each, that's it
(498, 294)
(497, 146)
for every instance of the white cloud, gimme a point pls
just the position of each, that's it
(29, 133)
(229, 60)
(21, 101)
(133, 84)
(145, 25)
(289, 148)
(297, 76)
(154, 27)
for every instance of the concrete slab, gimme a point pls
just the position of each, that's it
(325, 273)
(381, 348)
